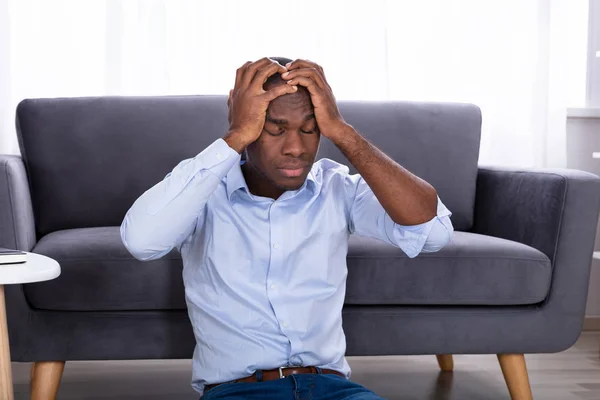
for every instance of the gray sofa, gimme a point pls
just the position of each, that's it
(512, 280)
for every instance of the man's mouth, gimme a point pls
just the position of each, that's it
(293, 172)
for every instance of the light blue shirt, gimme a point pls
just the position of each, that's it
(265, 279)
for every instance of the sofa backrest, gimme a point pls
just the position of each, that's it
(88, 159)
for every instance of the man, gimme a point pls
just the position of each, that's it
(264, 243)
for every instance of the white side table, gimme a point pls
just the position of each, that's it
(37, 268)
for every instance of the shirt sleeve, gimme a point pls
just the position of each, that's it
(166, 214)
(369, 218)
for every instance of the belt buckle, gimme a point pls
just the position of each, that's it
(281, 372)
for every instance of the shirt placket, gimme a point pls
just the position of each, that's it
(275, 283)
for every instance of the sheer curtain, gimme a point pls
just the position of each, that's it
(507, 56)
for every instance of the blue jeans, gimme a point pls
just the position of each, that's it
(294, 387)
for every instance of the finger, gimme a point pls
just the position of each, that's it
(308, 83)
(320, 69)
(299, 63)
(261, 76)
(253, 68)
(277, 91)
(311, 73)
(229, 98)
(239, 74)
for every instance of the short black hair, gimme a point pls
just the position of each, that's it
(276, 79)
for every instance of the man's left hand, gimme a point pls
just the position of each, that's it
(310, 75)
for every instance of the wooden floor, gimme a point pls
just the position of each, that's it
(571, 375)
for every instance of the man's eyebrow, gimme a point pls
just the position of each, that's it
(276, 121)
(280, 121)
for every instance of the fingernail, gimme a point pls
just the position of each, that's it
(285, 74)
(295, 87)
(288, 65)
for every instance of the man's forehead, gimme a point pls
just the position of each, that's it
(281, 114)
(293, 103)
(284, 119)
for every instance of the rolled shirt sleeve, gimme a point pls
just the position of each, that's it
(369, 218)
(428, 237)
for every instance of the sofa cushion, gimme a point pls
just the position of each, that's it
(471, 270)
(89, 159)
(99, 274)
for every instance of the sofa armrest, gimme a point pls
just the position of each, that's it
(17, 231)
(554, 211)
(16, 212)
(545, 209)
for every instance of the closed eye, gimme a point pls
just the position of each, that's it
(279, 133)
(282, 131)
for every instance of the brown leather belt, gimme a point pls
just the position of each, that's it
(278, 373)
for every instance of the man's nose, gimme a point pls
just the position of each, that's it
(294, 144)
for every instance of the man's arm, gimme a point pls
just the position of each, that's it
(367, 217)
(387, 202)
(166, 214)
(392, 204)
(408, 199)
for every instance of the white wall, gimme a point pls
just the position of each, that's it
(593, 56)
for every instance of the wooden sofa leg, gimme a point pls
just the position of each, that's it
(45, 379)
(445, 362)
(515, 374)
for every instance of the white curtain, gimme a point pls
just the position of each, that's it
(509, 57)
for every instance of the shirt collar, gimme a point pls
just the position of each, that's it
(235, 180)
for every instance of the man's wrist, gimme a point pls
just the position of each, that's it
(236, 140)
(343, 134)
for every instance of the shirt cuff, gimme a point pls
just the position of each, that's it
(412, 238)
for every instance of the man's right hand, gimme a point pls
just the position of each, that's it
(248, 101)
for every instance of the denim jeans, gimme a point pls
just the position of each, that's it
(293, 387)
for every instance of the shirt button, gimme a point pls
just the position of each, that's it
(285, 324)
(218, 156)
(273, 286)
(275, 246)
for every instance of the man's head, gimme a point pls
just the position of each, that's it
(286, 149)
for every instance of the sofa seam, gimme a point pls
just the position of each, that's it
(355, 298)
(351, 310)
(458, 257)
(360, 257)
(109, 259)
(441, 313)
(441, 298)
(351, 307)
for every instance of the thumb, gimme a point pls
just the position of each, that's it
(280, 90)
